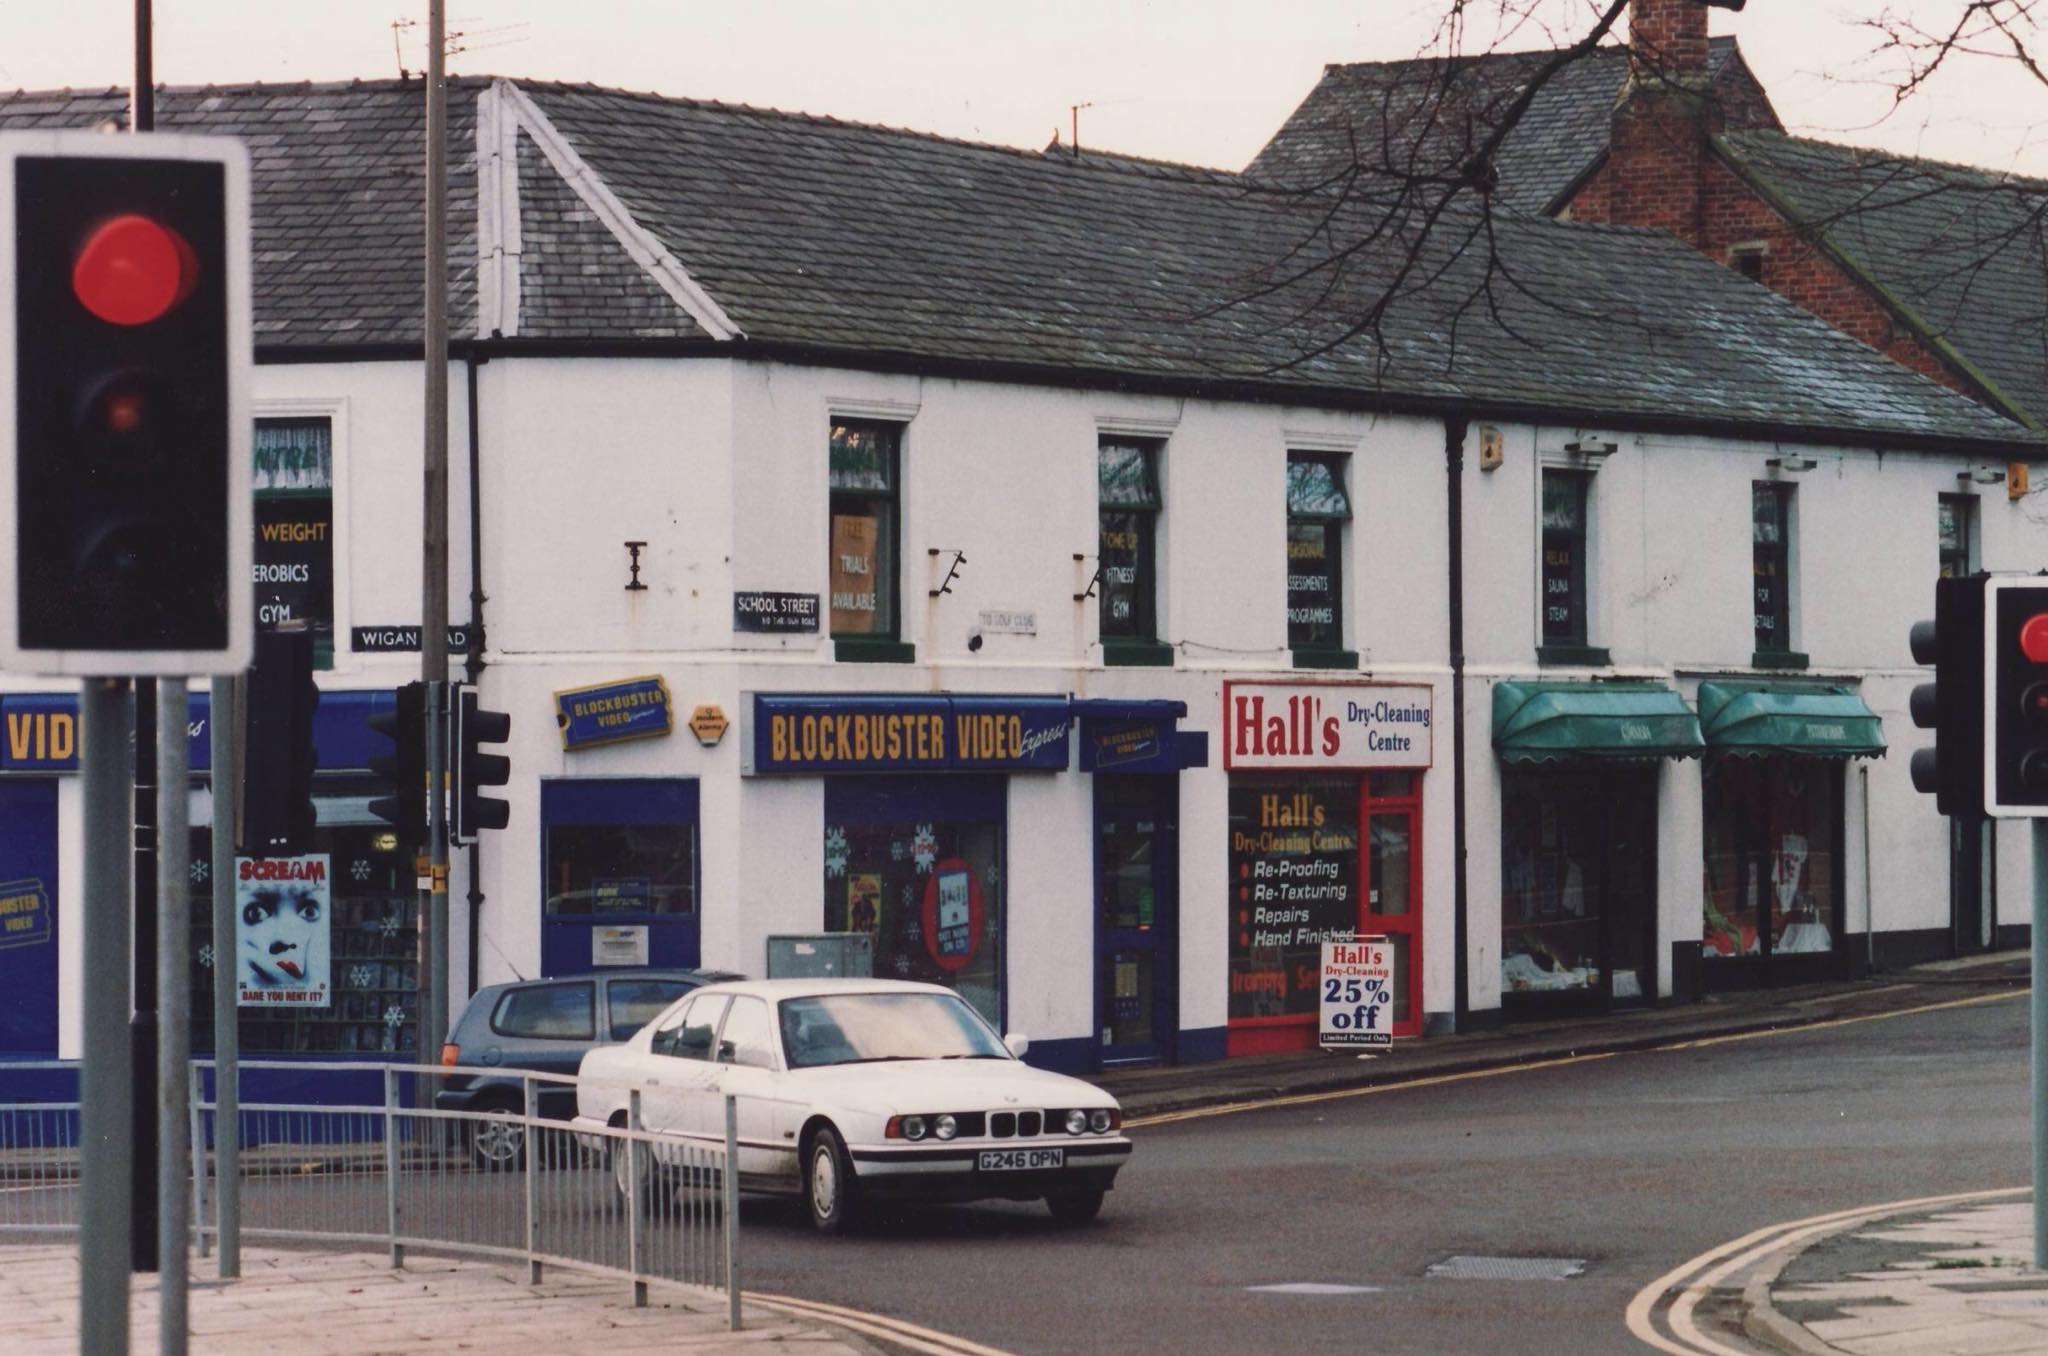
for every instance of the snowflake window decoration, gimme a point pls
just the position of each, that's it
(995, 875)
(359, 869)
(362, 976)
(206, 956)
(836, 851)
(201, 870)
(897, 852)
(394, 1017)
(912, 931)
(903, 967)
(924, 847)
(390, 925)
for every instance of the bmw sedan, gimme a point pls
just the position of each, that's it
(849, 1092)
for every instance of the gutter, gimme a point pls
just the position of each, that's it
(473, 662)
(1246, 390)
(1455, 430)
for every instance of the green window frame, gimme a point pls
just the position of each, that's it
(1566, 497)
(1956, 532)
(1771, 566)
(1317, 510)
(1128, 506)
(863, 548)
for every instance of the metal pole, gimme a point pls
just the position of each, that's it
(434, 532)
(225, 732)
(104, 1141)
(2039, 1005)
(637, 1167)
(530, 1137)
(174, 1025)
(391, 1164)
(730, 1180)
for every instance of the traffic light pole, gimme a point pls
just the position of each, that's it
(2039, 1016)
(224, 729)
(105, 1142)
(434, 539)
(174, 1030)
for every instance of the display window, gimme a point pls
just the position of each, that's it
(619, 873)
(1772, 863)
(1316, 857)
(918, 863)
(1578, 884)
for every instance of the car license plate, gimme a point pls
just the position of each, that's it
(1014, 1160)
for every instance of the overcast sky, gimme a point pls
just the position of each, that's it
(1205, 81)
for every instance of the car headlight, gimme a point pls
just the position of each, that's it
(913, 1127)
(1099, 1120)
(1077, 1121)
(945, 1127)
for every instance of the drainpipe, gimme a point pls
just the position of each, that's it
(1455, 429)
(473, 662)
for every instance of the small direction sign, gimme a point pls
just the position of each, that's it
(1358, 994)
(709, 724)
(762, 611)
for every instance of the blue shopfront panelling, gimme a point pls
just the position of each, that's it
(28, 917)
(908, 800)
(567, 945)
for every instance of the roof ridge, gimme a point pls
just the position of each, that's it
(244, 86)
(1604, 49)
(1891, 157)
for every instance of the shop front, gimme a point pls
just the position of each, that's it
(1579, 840)
(1773, 828)
(1325, 829)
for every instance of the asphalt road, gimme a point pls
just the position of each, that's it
(1632, 1163)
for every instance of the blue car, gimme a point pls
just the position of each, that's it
(545, 1025)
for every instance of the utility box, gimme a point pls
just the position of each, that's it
(821, 955)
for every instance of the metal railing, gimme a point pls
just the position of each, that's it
(403, 1174)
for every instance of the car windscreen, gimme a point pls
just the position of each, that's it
(858, 1028)
(560, 1012)
(636, 1002)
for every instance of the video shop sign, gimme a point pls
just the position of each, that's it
(1358, 995)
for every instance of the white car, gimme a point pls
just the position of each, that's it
(849, 1091)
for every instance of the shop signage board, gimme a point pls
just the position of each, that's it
(39, 730)
(610, 713)
(709, 724)
(619, 945)
(1357, 994)
(864, 733)
(775, 613)
(25, 916)
(284, 908)
(1329, 726)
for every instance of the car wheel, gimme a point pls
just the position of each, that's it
(497, 1143)
(656, 1187)
(829, 1185)
(1075, 1207)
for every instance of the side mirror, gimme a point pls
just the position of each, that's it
(726, 1051)
(1017, 1043)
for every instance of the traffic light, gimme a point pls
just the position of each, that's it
(124, 423)
(475, 769)
(2016, 695)
(1953, 704)
(278, 757)
(405, 808)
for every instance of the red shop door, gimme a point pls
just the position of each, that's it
(1392, 898)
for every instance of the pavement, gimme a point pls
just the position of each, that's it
(1944, 1279)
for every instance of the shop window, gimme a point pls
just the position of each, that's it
(1578, 892)
(356, 948)
(919, 865)
(1317, 509)
(1294, 868)
(619, 869)
(863, 568)
(1128, 502)
(618, 873)
(1956, 534)
(1772, 870)
(1565, 501)
(1771, 566)
(293, 481)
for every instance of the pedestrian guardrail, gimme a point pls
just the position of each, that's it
(404, 1174)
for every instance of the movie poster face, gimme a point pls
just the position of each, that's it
(282, 951)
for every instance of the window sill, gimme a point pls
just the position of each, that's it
(1121, 653)
(1777, 659)
(1581, 656)
(1326, 659)
(872, 650)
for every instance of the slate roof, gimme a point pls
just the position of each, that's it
(824, 239)
(1960, 250)
(1428, 114)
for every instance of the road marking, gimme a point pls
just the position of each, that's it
(909, 1335)
(1718, 1263)
(1339, 1094)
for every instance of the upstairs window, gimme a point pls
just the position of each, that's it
(293, 481)
(1771, 581)
(1317, 509)
(1956, 538)
(866, 460)
(1565, 495)
(1128, 501)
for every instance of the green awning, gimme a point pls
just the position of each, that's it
(1776, 718)
(1555, 722)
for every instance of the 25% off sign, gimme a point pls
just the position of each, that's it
(1358, 995)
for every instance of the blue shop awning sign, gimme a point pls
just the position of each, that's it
(907, 733)
(609, 713)
(39, 730)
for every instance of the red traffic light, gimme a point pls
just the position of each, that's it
(133, 270)
(2034, 638)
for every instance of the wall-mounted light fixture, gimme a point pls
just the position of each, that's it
(1592, 447)
(1982, 475)
(1790, 465)
(634, 585)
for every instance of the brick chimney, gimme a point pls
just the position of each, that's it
(1658, 146)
